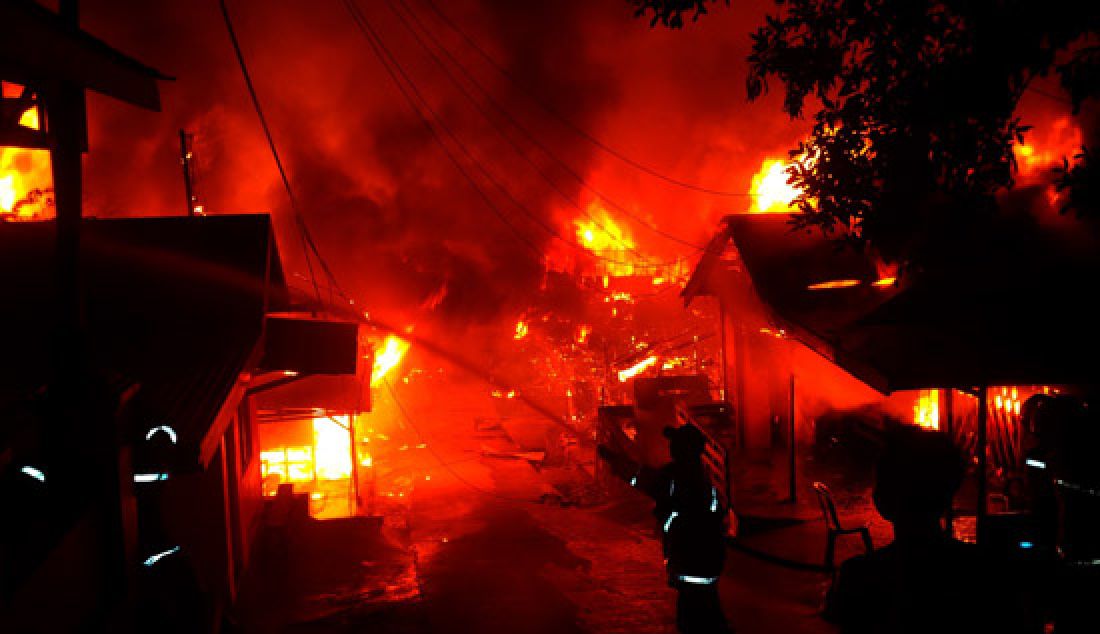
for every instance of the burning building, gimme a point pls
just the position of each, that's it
(810, 331)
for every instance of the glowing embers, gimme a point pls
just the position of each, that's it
(1008, 401)
(926, 411)
(833, 284)
(637, 368)
(387, 357)
(521, 330)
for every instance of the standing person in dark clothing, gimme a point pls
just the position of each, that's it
(691, 519)
(924, 581)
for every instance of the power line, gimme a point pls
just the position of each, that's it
(578, 177)
(383, 53)
(569, 124)
(307, 240)
(477, 105)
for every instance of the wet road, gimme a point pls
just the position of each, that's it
(476, 541)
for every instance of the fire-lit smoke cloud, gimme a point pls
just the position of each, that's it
(402, 229)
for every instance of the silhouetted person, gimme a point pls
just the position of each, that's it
(924, 581)
(1065, 470)
(691, 519)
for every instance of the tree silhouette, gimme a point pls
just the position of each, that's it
(913, 106)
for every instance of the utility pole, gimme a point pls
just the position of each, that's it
(792, 456)
(187, 157)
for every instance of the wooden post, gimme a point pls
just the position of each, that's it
(949, 429)
(188, 171)
(792, 467)
(983, 421)
(356, 502)
(725, 356)
(740, 341)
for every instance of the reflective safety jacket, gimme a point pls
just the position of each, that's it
(691, 519)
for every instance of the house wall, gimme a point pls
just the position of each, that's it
(248, 480)
(760, 367)
(213, 514)
(192, 516)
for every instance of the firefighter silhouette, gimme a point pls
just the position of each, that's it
(691, 519)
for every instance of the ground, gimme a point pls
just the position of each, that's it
(471, 536)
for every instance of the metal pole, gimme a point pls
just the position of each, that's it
(949, 429)
(185, 162)
(354, 464)
(725, 357)
(791, 442)
(983, 415)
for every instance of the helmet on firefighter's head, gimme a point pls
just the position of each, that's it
(685, 442)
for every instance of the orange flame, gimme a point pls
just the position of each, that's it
(25, 178)
(1047, 146)
(393, 349)
(332, 458)
(772, 194)
(637, 368)
(598, 233)
(521, 330)
(926, 411)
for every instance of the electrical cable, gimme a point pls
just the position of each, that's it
(572, 126)
(503, 112)
(307, 240)
(381, 52)
(548, 152)
(368, 31)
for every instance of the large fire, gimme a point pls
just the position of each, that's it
(333, 447)
(772, 194)
(26, 181)
(390, 353)
(598, 233)
(926, 411)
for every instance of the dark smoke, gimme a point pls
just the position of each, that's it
(402, 229)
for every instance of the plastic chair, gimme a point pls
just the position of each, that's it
(832, 524)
